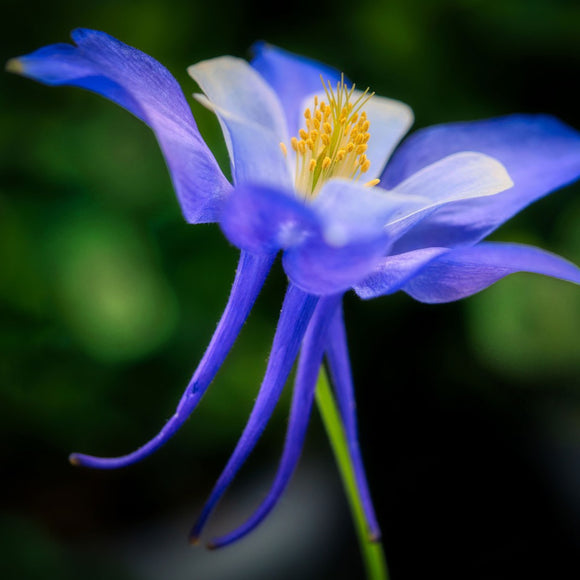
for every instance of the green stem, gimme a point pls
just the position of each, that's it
(372, 552)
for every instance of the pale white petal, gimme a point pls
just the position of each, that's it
(390, 120)
(461, 176)
(458, 176)
(453, 179)
(350, 211)
(251, 117)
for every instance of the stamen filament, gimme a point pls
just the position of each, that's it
(334, 140)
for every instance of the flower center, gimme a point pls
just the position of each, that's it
(334, 141)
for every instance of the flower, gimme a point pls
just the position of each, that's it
(309, 159)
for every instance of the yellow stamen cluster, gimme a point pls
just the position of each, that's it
(334, 142)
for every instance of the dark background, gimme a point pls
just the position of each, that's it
(469, 412)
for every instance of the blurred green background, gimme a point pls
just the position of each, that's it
(469, 412)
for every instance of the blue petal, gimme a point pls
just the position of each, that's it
(293, 77)
(539, 152)
(296, 313)
(350, 240)
(250, 276)
(465, 271)
(443, 186)
(321, 269)
(140, 84)
(338, 360)
(304, 387)
(264, 219)
(251, 118)
(394, 271)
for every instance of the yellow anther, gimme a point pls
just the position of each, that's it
(372, 182)
(333, 139)
(284, 149)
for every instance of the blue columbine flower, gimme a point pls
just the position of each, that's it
(309, 159)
